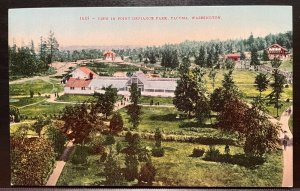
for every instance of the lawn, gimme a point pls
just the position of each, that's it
(177, 168)
(161, 100)
(165, 119)
(42, 108)
(35, 85)
(22, 101)
(273, 111)
(75, 98)
(286, 65)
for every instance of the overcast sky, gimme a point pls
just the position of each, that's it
(235, 22)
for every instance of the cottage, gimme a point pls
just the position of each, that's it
(233, 56)
(83, 73)
(78, 86)
(276, 51)
(109, 55)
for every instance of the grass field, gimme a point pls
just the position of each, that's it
(35, 85)
(75, 98)
(161, 100)
(286, 65)
(42, 108)
(165, 119)
(177, 168)
(18, 102)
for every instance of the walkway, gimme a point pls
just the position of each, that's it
(59, 165)
(287, 180)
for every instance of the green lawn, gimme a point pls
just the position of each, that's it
(165, 119)
(286, 65)
(42, 108)
(75, 98)
(35, 85)
(161, 100)
(177, 168)
(273, 111)
(18, 102)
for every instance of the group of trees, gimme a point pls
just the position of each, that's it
(25, 61)
(233, 113)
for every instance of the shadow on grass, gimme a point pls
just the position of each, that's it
(196, 124)
(250, 162)
(167, 117)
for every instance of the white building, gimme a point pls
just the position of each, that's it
(164, 87)
(83, 73)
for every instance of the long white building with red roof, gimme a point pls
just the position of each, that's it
(89, 84)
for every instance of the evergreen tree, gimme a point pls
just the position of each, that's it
(52, 45)
(261, 82)
(254, 57)
(265, 56)
(116, 123)
(112, 171)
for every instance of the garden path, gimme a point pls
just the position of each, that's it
(287, 180)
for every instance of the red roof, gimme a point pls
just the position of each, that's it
(277, 46)
(87, 70)
(233, 55)
(78, 83)
(108, 52)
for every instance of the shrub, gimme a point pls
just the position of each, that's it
(109, 140)
(158, 152)
(116, 123)
(147, 174)
(198, 152)
(57, 138)
(80, 155)
(286, 86)
(96, 145)
(103, 156)
(212, 153)
(288, 100)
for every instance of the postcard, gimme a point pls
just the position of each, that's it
(179, 96)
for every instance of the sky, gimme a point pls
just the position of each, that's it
(229, 22)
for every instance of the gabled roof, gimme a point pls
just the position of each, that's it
(233, 55)
(78, 83)
(108, 52)
(87, 71)
(277, 46)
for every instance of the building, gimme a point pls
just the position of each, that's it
(164, 87)
(276, 51)
(83, 73)
(109, 55)
(233, 56)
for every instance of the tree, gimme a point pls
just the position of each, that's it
(14, 111)
(112, 171)
(116, 123)
(261, 134)
(229, 64)
(106, 102)
(147, 174)
(277, 86)
(134, 112)
(131, 156)
(209, 59)
(135, 94)
(52, 45)
(228, 82)
(32, 159)
(200, 59)
(243, 56)
(265, 56)
(254, 57)
(39, 124)
(212, 76)
(261, 82)
(152, 58)
(157, 137)
(275, 63)
(78, 122)
(57, 139)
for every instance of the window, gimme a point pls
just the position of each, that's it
(72, 88)
(82, 88)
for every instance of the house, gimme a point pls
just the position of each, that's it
(78, 86)
(83, 73)
(276, 51)
(233, 56)
(109, 55)
(164, 87)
